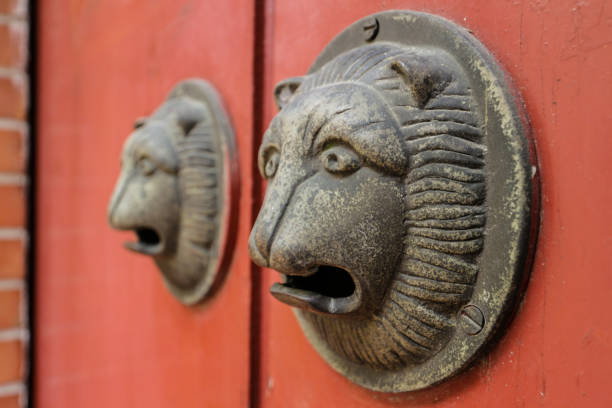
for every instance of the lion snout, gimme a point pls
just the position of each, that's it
(256, 255)
(115, 214)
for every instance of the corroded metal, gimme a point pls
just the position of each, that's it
(400, 207)
(178, 176)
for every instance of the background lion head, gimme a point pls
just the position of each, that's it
(169, 192)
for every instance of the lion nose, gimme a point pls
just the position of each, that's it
(292, 258)
(117, 220)
(271, 245)
(277, 199)
(262, 234)
(254, 251)
(271, 249)
(115, 212)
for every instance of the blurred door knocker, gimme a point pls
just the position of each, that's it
(177, 189)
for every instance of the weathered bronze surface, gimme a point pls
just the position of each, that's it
(178, 174)
(400, 207)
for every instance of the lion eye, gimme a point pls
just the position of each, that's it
(340, 159)
(146, 166)
(271, 164)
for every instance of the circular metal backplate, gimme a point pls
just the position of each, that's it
(184, 215)
(511, 182)
(227, 180)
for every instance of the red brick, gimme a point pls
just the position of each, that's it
(13, 44)
(12, 97)
(12, 206)
(13, 7)
(11, 360)
(12, 259)
(12, 151)
(10, 309)
(11, 401)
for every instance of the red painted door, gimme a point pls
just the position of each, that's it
(108, 333)
(558, 350)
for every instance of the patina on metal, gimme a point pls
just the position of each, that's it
(400, 207)
(178, 177)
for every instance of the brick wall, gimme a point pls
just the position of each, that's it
(13, 184)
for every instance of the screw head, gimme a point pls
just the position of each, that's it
(370, 28)
(471, 319)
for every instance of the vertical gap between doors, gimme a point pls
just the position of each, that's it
(259, 53)
(32, 71)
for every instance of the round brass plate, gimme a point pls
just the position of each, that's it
(511, 201)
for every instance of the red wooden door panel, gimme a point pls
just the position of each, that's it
(557, 351)
(108, 333)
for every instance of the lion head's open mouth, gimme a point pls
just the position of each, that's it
(149, 242)
(328, 289)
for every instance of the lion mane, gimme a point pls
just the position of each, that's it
(444, 213)
(199, 154)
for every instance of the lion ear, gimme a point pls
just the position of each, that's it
(188, 123)
(188, 114)
(424, 81)
(284, 90)
(140, 122)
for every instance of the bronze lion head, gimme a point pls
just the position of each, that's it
(172, 189)
(374, 208)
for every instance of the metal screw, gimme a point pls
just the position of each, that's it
(471, 320)
(370, 28)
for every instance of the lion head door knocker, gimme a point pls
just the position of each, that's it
(400, 207)
(177, 187)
